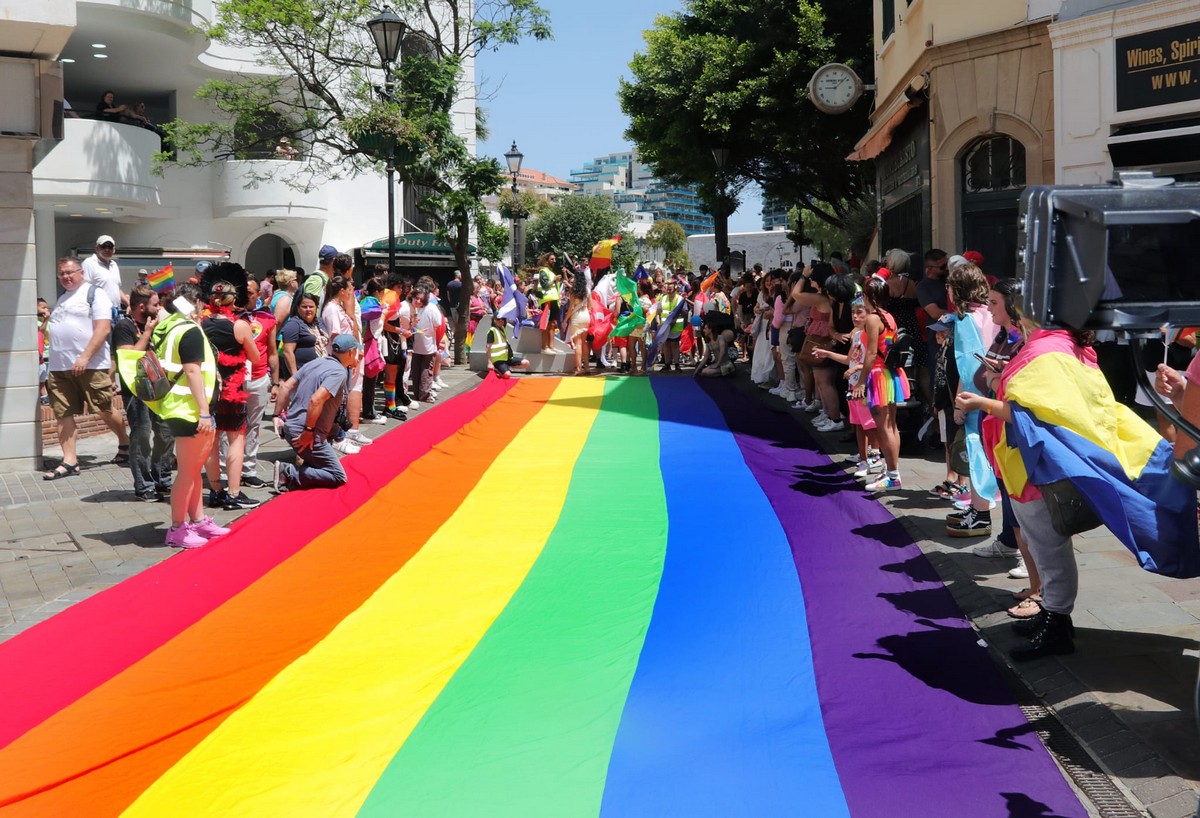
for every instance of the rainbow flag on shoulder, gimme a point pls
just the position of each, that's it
(163, 279)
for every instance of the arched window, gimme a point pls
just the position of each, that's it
(993, 164)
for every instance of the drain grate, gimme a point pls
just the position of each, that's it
(1095, 784)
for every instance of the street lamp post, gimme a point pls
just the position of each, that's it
(514, 157)
(387, 30)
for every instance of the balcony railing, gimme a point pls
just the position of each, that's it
(260, 189)
(100, 162)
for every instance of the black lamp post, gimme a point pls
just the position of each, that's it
(387, 29)
(721, 218)
(514, 157)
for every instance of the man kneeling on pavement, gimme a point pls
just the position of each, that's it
(306, 410)
(499, 352)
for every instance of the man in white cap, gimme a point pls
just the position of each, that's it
(305, 410)
(100, 269)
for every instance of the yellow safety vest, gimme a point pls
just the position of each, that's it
(549, 286)
(669, 304)
(497, 344)
(179, 403)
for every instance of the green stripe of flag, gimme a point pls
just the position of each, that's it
(527, 724)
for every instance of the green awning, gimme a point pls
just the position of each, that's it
(418, 244)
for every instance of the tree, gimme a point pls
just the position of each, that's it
(853, 233)
(575, 224)
(732, 74)
(493, 240)
(669, 237)
(319, 84)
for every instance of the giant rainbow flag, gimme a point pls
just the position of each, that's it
(545, 597)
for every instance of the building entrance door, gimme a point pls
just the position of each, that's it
(993, 176)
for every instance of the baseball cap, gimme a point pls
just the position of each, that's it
(938, 326)
(327, 252)
(954, 262)
(974, 256)
(201, 266)
(106, 240)
(345, 342)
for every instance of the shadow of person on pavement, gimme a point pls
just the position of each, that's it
(922, 654)
(928, 603)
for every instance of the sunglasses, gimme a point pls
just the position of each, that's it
(109, 245)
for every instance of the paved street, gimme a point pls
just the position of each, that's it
(1126, 695)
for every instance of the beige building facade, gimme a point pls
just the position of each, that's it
(963, 122)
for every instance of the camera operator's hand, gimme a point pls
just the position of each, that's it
(1169, 383)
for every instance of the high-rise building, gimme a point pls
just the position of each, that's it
(774, 214)
(633, 187)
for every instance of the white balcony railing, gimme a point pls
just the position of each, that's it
(100, 162)
(259, 189)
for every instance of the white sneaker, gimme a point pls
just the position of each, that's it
(834, 426)
(821, 418)
(788, 395)
(777, 391)
(439, 383)
(346, 446)
(1021, 571)
(379, 420)
(800, 405)
(359, 438)
(813, 407)
(873, 469)
(413, 404)
(995, 549)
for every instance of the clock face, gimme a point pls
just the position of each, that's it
(835, 88)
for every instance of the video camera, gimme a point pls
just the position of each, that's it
(1123, 256)
(1120, 256)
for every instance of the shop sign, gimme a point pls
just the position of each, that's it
(1158, 67)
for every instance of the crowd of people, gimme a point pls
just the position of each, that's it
(852, 347)
(198, 365)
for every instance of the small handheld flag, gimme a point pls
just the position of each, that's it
(163, 279)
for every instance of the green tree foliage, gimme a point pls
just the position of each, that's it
(669, 237)
(321, 83)
(733, 74)
(853, 234)
(575, 224)
(493, 240)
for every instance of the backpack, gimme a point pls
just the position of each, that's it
(150, 381)
(900, 353)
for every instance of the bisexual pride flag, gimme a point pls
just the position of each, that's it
(657, 614)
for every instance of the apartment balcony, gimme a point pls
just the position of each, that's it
(99, 164)
(263, 189)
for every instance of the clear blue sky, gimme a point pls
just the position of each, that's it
(558, 99)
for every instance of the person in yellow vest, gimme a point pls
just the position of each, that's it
(548, 300)
(191, 365)
(499, 352)
(667, 302)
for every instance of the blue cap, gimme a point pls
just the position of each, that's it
(201, 266)
(345, 342)
(327, 252)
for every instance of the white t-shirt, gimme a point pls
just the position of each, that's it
(108, 278)
(71, 328)
(424, 340)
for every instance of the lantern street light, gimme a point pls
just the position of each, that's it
(514, 157)
(387, 30)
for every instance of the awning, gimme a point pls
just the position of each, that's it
(880, 136)
(413, 244)
(1156, 145)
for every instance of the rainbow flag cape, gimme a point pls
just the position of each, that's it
(636, 317)
(348, 652)
(163, 279)
(602, 254)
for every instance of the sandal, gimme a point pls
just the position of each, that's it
(1026, 609)
(60, 471)
(122, 456)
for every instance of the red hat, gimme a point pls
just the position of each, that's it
(974, 256)
(883, 274)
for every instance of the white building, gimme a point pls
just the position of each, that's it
(770, 248)
(1127, 83)
(99, 179)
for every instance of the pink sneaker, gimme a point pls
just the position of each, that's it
(184, 537)
(207, 529)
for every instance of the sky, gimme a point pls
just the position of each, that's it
(558, 99)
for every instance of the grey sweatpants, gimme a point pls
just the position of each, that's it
(1052, 554)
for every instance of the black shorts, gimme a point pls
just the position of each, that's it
(229, 416)
(555, 312)
(503, 367)
(396, 355)
(182, 428)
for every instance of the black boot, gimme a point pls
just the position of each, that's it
(1052, 639)
(1029, 627)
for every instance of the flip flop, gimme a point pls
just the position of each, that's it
(1025, 609)
(122, 456)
